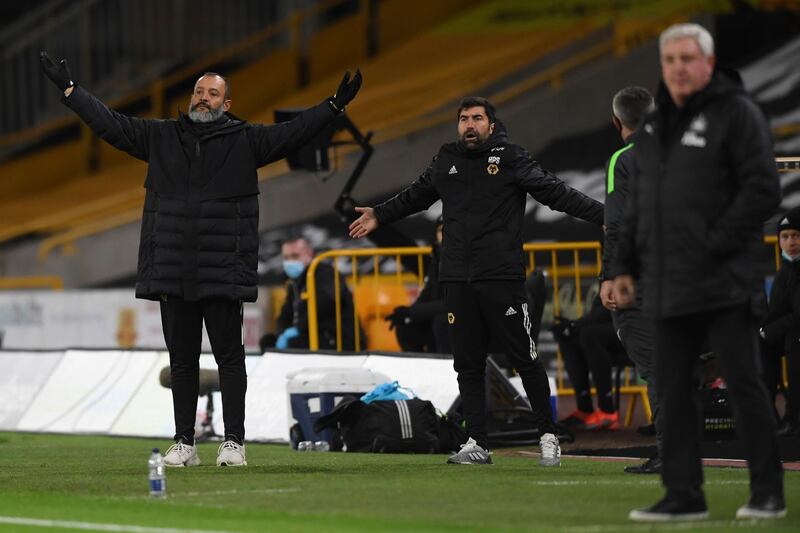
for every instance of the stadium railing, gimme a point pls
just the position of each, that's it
(379, 284)
(31, 282)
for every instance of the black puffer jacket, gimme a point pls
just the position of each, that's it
(483, 196)
(705, 181)
(200, 224)
(783, 313)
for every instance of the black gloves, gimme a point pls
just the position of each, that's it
(399, 317)
(346, 92)
(58, 73)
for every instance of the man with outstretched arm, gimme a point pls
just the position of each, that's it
(483, 180)
(198, 251)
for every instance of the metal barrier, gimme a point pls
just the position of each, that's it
(354, 255)
(572, 269)
(32, 282)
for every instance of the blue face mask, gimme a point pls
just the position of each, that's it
(293, 268)
(791, 259)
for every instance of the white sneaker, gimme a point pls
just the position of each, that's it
(231, 453)
(181, 454)
(471, 454)
(551, 451)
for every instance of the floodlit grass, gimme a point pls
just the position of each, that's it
(104, 480)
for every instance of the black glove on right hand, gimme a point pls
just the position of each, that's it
(399, 317)
(347, 91)
(58, 73)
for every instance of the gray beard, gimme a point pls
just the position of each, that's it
(206, 116)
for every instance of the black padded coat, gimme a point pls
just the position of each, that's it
(199, 236)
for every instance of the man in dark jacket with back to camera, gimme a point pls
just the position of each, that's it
(199, 240)
(483, 181)
(635, 330)
(705, 183)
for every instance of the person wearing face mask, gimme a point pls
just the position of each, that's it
(780, 330)
(483, 180)
(422, 327)
(198, 252)
(292, 322)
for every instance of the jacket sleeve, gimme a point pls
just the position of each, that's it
(427, 305)
(275, 141)
(547, 189)
(418, 196)
(616, 197)
(286, 316)
(783, 313)
(620, 258)
(129, 134)
(752, 166)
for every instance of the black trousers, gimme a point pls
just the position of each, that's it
(637, 334)
(732, 335)
(494, 311)
(182, 322)
(594, 348)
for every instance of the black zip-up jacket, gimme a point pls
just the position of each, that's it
(705, 181)
(783, 313)
(199, 234)
(483, 206)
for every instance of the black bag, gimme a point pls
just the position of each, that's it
(385, 426)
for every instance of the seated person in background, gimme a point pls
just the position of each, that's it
(292, 323)
(780, 332)
(422, 327)
(590, 344)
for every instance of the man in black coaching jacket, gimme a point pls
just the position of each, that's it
(198, 251)
(483, 181)
(692, 236)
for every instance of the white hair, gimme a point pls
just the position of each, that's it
(691, 31)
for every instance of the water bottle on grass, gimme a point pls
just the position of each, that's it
(157, 476)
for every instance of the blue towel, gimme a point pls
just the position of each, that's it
(391, 390)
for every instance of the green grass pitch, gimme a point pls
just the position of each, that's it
(70, 482)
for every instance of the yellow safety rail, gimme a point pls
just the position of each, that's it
(353, 255)
(576, 262)
(32, 282)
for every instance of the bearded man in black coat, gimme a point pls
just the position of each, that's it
(198, 251)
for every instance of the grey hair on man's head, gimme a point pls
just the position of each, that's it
(631, 104)
(688, 30)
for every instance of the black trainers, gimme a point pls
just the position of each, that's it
(651, 466)
(672, 510)
(770, 506)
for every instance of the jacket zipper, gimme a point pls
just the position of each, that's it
(470, 187)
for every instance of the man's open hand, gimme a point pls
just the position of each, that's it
(365, 224)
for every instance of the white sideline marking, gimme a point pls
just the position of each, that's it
(678, 526)
(90, 526)
(567, 483)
